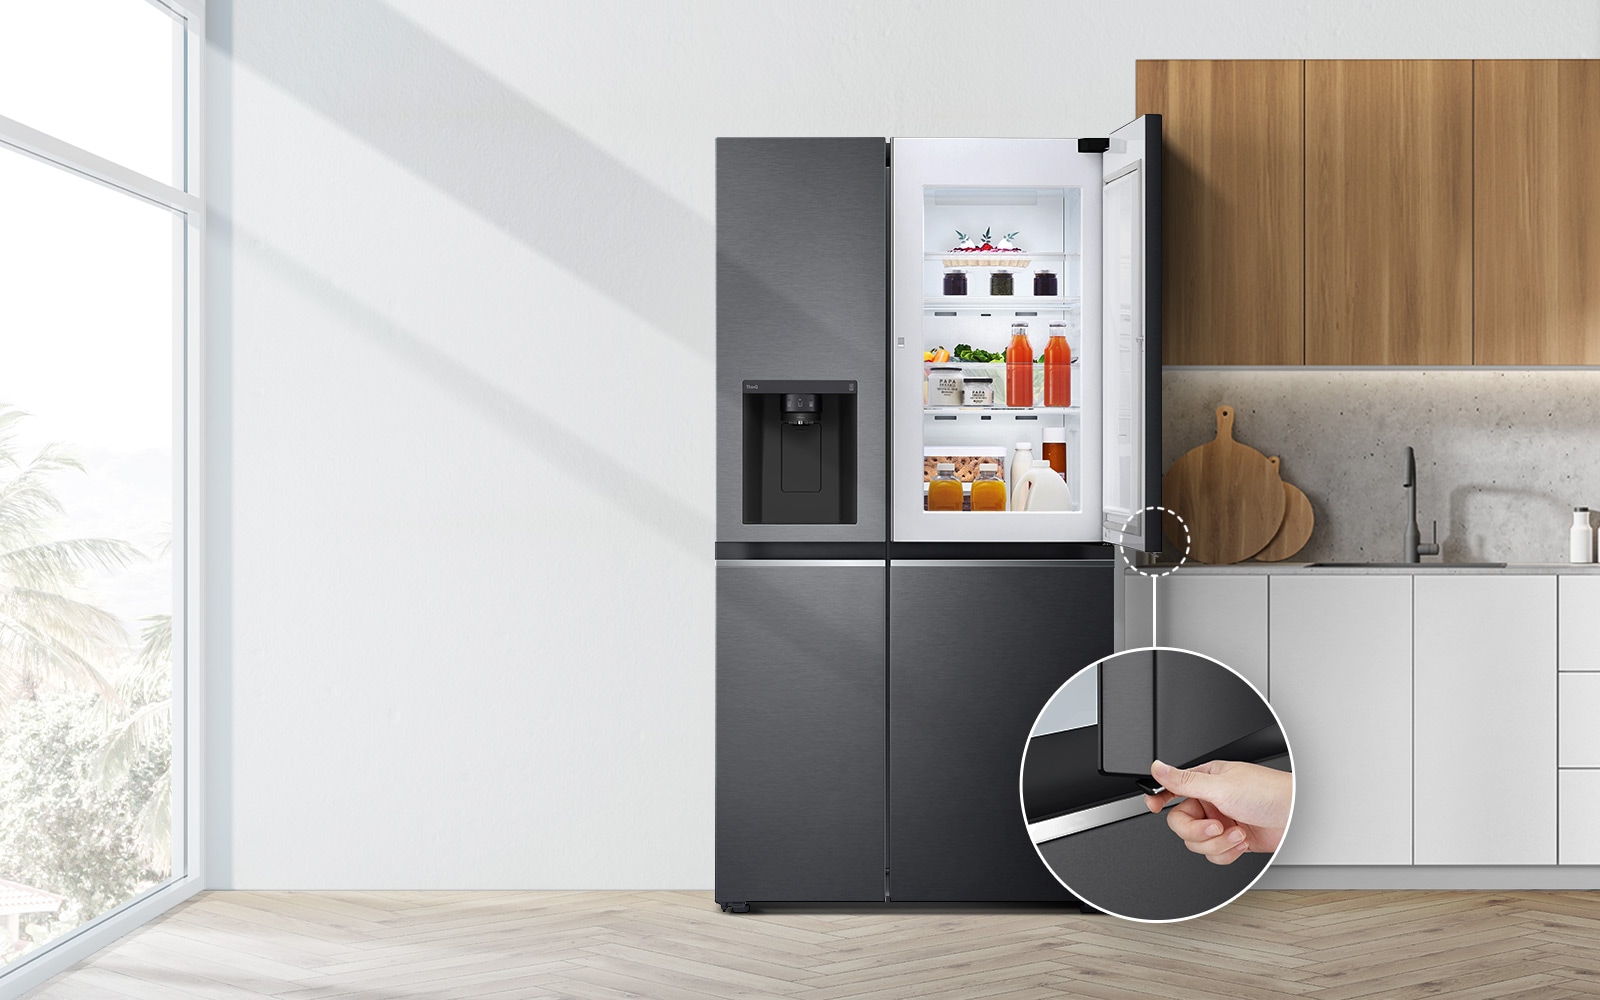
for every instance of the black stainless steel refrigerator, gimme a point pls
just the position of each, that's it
(881, 656)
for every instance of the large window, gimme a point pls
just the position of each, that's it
(100, 235)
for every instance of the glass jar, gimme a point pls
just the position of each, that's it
(977, 392)
(1045, 284)
(955, 282)
(944, 387)
(1001, 283)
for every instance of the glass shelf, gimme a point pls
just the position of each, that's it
(1003, 410)
(998, 303)
(998, 259)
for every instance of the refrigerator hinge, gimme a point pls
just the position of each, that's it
(887, 896)
(1093, 145)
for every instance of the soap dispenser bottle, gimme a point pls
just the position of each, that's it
(1582, 546)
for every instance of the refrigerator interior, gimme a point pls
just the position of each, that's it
(996, 246)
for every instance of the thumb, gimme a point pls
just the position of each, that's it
(1194, 784)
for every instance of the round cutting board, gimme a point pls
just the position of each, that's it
(1298, 520)
(1229, 494)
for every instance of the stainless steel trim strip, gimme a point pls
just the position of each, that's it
(1008, 563)
(879, 563)
(1086, 819)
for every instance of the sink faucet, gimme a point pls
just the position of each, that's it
(1416, 548)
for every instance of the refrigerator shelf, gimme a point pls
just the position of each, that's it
(1017, 260)
(998, 303)
(1007, 410)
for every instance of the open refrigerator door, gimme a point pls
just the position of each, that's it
(1131, 335)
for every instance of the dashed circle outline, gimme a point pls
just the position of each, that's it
(1122, 550)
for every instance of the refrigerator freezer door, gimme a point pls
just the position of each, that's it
(979, 648)
(800, 731)
(802, 248)
(1131, 327)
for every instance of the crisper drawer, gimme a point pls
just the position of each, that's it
(1579, 833)
(1578, 744)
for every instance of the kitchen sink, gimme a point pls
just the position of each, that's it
(1406, 565)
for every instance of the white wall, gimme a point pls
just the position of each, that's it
(447, 647)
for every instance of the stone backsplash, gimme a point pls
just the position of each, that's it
(1502, 456)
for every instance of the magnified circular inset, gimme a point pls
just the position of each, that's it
(1157, 784)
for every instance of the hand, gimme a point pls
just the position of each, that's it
(1228, 807)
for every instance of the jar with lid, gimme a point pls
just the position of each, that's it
(944, 386)
(955, 282)
(944, 489)
(1045, 284)
(977, 391)
(1001, 283)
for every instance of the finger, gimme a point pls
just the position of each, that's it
(1194, 829)
(1230, 842)
(1193, 808)
(1229, 857)
(1192, 783)
(1156, 803)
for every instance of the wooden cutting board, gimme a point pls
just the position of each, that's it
(1298, 520)
(1229, 494)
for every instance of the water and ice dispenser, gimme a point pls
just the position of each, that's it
(799, 452)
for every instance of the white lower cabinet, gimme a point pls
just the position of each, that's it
(1224, 617)
(1579, 720)
(1579, 636)
(1340, 654)
(1580, 817)
(1485, 724)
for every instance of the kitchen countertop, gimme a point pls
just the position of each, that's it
(1426, 568)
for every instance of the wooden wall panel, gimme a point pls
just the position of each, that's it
(1537, 212)
(1388, 212)
(1233, 197)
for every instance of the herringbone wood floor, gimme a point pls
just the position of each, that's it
(678, 945)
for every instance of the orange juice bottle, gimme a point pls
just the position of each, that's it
(1058, 368)
(944, 490)
(1019, 367)
(988, 492)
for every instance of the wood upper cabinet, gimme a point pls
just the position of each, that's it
(1231, 202)
(1388, 212)
(1537, 212)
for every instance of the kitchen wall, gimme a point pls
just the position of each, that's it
(459, 427)
(1502, 456)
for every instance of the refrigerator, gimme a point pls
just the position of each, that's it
(880, 660)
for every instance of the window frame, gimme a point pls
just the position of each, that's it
(187, 204)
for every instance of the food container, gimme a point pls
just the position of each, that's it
(977, 391)
(955, 282)
(1045, 284)
(944, 387)
(1001, 283)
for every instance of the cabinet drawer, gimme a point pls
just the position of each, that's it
(1578, 642)
(1579, 842)
(1579, 715)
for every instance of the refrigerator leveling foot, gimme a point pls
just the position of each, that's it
(735, 907)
